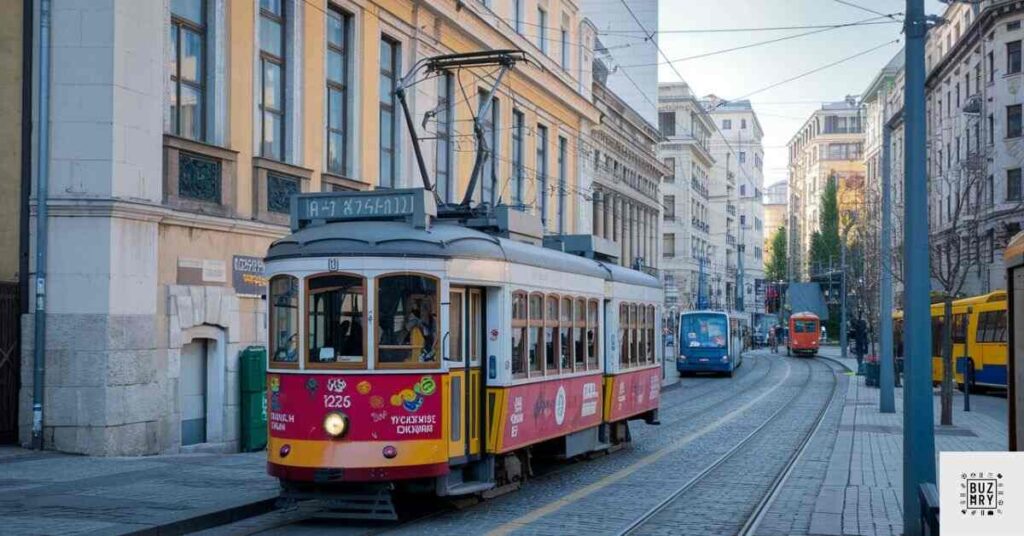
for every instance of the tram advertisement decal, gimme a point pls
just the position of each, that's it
(538, 411)
(635, 392)
(379, 408)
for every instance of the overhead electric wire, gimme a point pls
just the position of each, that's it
(755, 44)
(815, 70)
(628, 33)
(867, 9)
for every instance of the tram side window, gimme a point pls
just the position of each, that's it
(407, 321)
(565, 335)
(634, 342)
(336, 319)
(650, 335)
(536, 342)
(551, 335)
(519, 339)
(284, 320)
(579, 348)
(593, 359)
(624, 335)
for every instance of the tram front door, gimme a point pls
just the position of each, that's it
(464, 348)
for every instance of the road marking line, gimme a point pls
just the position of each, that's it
(589, 489)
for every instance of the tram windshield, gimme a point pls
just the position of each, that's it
(336, 321)
(407, 307)
(805, 326)
(707, 330)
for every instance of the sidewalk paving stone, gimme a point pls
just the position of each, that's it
(53, 493)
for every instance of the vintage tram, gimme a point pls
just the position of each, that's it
(804, 334)
(409, 351)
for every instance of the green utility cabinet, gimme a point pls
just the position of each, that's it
(252, 369)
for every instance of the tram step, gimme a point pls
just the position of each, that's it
(467, 488)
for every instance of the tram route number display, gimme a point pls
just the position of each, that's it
(370, 206)
(379, 408)
(542, 410)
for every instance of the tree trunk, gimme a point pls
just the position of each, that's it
(947, 361)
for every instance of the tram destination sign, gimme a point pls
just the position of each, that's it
(415, 205)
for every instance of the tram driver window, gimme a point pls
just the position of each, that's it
(624, 335)
(336, 319)
(519, 326)
(592, 335)
(407, 321)
(284, 321)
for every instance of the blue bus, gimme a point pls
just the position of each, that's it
(709, 341)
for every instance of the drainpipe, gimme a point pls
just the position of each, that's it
(41, 224)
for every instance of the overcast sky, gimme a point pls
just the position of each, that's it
(735, 74)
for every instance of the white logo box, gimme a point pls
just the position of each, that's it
(981, 493)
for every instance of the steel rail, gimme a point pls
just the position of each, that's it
(656, 509)
(754, 520)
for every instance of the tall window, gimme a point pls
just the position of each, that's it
(1013, 121)
(1013, 57)
(283, 313)
(542, 173)
(389, 54)
(668, 245)
(443, 161)
(727, 124)
(542, 30)
(562, 182)
(1013, 185)
(519, 338)
(667, 123)
(565, 48)
(517, 156)
(517, 7)
(551, 337)
(535, 343)
(188, 36)
(491, 167)
(337, 91)
(671, 163)
(670, 207)
(272, 61)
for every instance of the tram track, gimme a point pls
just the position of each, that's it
(753, 519)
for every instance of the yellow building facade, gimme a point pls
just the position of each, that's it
(175, 154)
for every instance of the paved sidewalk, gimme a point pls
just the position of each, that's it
(52, 493)
(863, 488)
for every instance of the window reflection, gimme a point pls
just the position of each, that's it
(336, 319)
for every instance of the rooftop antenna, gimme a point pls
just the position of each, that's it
(503, 59)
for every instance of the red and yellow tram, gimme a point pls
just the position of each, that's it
(422, 354)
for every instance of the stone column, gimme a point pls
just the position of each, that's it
(609, 221)
(655, 237)
(620, 226)
(599, 213)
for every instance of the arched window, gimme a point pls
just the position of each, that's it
(406, 316)
(283, 310)
(335, 321)
(519, 338)
(551, 335)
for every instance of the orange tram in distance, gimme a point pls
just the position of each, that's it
(441, 355)
(804, 334)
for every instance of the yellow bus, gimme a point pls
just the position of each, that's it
(979, 338)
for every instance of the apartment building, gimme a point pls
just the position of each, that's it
(180, 130)
(776, 197)
(829, 146)
(627, 177)
(975, 140)
(737, 197)
(692, 264)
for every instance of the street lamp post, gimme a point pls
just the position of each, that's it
(918, 413)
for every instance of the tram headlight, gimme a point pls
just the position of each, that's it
(335, 424)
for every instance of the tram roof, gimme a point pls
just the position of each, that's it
(399, 239)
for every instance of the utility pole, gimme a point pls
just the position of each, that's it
(918, 413)
(843, 342)
(886, 399)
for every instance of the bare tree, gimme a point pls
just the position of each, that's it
(953, 251)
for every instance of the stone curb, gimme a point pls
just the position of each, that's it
(208, 519)
(836, 361)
